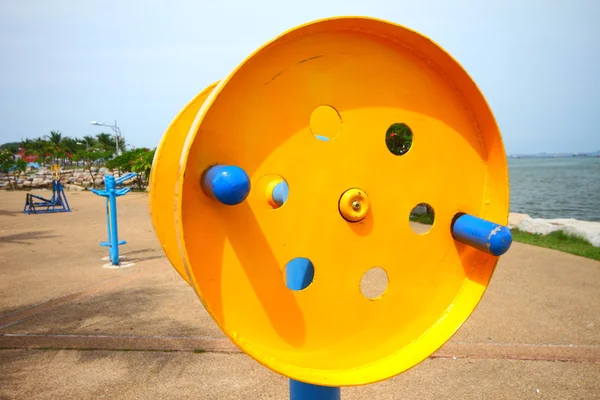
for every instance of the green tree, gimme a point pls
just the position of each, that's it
(142, 165)
(7, 160)
(26, 145)
(69, 147)
(40, 148)
(138, 160)
(8, 164)
(122, 143)
(89, 141)
(20, 166)
(55, 146)
(105, 142)
(13, 148)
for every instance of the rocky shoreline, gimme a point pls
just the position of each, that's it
(588, 230)
(72, 179)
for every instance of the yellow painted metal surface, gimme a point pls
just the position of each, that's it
(348, 79)
(163, 179)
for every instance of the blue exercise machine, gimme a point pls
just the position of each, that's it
(111, 193)
(57, 203)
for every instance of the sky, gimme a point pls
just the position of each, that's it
(65, 63)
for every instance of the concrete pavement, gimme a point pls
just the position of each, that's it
(71, 329)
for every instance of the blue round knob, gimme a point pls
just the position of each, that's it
(228, 184)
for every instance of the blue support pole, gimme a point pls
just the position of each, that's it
(481, 234)
(114, 230)
(306, 391)
(228, 184)
(108, 220)
(111, 193)
(299, 273)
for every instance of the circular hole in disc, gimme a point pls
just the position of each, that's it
(325, 122)
(398, 138)
(421, 218)
(274, 189)
(374, 283)
(299, 273)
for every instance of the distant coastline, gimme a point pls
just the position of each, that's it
(555, 155)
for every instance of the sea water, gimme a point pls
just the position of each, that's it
(555, 187)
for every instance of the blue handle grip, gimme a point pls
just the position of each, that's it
(481, 234)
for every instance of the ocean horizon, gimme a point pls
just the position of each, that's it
(562, 187)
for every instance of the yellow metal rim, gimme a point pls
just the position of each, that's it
(162, 183)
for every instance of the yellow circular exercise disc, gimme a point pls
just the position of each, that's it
(347, 80)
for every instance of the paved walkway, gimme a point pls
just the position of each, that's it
(70, 329)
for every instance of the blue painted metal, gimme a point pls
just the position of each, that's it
(40, 205)
(481, 234)
(111, 193)
(280, 193)
(306, 391)
(323, 138)
(228, 184)
(299, 273)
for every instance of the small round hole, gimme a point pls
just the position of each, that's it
(421, 218)
(277, 192)
(299, 273)
(374, 283)
(398, 138)
(273, 190)
(325, 122)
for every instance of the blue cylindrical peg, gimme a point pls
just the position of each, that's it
(481, 234)
(306, 391)
(228, 184)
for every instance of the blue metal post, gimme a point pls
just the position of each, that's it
(108, 219)
(306, 391)
(299, 273)
(111, 193)
(481, 234)
(109, 183)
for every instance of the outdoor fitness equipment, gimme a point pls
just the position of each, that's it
(111, 193)
(274, 229)
(57, 203)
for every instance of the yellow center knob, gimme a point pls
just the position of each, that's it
(354, 205)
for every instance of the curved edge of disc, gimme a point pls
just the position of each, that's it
(456, 314)
(162, 185)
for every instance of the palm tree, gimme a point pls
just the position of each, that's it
(55, 138)
(39, 147)
(69, 147)
(56, 145)
(122, 143)
(26, 146)
(89, 142)
(105, 141)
